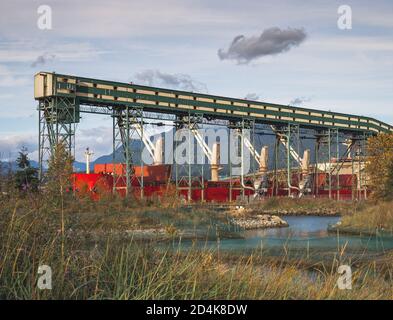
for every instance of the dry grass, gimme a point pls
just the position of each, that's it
(312, 206)
(109, 268)
(377, 215)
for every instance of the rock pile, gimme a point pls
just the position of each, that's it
(259, 222)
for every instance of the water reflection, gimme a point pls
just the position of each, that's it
(299, 227)
(304, 234)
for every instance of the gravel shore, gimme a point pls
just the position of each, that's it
(259, 222)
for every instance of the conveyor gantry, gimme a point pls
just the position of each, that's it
(62, 98)
(110, 94)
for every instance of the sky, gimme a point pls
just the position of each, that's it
(287, 52)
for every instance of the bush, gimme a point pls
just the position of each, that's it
(379, 166)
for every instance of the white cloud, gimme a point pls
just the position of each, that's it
(114, 19)
(252, 96)
(99, 140)
(9, 78)
(158, 78)
(272, 41)
(299, 101)
(11, 144)
(376, 14)
(344, 71)
(6, 96)
(29, 51)
(353, 43)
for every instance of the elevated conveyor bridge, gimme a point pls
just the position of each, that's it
(62, 98)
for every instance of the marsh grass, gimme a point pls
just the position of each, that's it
(308, 206)
(113, 268)
(377, 215)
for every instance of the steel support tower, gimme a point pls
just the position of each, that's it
(62, 98)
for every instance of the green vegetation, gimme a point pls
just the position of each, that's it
(307, 206)
(59, 172)
(93, 256)
(26, 178)
(378, 214)
(113, 267)
(379, 166)
(375, 216)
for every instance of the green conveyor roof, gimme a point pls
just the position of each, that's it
(104, 93)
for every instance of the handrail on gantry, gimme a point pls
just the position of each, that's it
(111, 94)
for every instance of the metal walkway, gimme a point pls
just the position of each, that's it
(102, 93)
(62, 98)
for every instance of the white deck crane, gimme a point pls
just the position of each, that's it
(155, 151)
(202, 143)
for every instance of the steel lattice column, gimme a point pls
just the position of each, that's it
(289, 137)
(328, 146)
(124, 120)
(237, 131)
(184, 177)
(292, 136)
(323, 152)
(359, 151)
(57, 122)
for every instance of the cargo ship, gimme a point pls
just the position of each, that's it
(157, 181)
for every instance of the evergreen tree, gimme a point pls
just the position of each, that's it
(60, 171)
(26, 177)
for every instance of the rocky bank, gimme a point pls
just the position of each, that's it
(324, 212)
(259, 222)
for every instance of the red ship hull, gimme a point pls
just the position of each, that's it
(157, 183)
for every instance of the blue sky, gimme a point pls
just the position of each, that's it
(340, 70)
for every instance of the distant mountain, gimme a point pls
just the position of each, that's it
(137, 146)
(79, 166)
(13, 166)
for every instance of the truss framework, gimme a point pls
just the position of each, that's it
(58, 117)
(185, 177)
(130, 105)
(127, 122)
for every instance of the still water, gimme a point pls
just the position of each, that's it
(304, 234)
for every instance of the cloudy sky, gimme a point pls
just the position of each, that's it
(289, 52)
